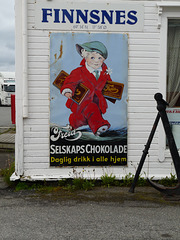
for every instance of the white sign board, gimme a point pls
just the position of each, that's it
(174, 119)
(81, 16)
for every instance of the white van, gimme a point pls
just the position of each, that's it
(7, 87)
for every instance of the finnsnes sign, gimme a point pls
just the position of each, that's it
(82, 16)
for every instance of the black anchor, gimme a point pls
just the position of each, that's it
(161, 107)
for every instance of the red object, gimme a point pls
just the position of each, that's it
(13, 109)
(90, 111)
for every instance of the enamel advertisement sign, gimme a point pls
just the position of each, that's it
(88, 99)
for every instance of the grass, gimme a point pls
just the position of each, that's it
(169, 182)
(7, 172)
(9, 130)
(78, 182)
(108, 180)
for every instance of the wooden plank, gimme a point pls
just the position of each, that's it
(152, 79)
(36, 166)
(38, 77)
(38, 52)
(38, 65)
(145, 72)
(39, 71)
(34, 160)
(142, 54)
(38, 96)
(143, 60)
(142, 48)
(36, 141)
(146, 41)
(43, 116)
(142, 35)
(141, 66)
(143, 85)
(38, 58)
(36, 153)
(37, 109)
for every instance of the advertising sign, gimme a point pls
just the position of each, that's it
(174, 119)
(88, 99)
(88, 16)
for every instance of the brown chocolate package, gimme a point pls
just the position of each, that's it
(112, 90)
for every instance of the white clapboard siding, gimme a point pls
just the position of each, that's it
(141, 141)
(39, 147)
(38, 165)
(141, 128)
(137, 146)
(44, 109)
(38, 84)
(143, 83)
(36, 153)
(142, 91)
(38, 116)
(39, 71)
(39, 102)
(38, 59)
(143, 60)
(148, 35)
(38, 39)
(146, 54)
(44, 78)
(40, 90)
(140, 79)
(36, 141)
(37, 33)
(136, 116)
(38, 52)
(42, 65)
(34, 160)
(36, 128)
(40, 96)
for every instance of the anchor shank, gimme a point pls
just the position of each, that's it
(161, 106)
(145, 152)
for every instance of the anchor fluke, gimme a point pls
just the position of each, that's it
(170, 191)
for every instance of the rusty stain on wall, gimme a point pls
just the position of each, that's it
(61, 50)
(60, 53)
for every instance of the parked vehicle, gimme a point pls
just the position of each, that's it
(7, 87)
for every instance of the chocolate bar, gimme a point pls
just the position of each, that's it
(111, 91)
(81, 90)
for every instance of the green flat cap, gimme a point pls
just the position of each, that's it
(94, 46)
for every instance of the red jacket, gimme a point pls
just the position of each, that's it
(82, 75)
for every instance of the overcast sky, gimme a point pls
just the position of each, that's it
(7, 37)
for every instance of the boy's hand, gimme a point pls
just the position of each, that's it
(68, 95)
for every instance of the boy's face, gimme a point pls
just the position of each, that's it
(94, 60)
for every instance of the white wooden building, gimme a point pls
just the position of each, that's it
(148, 68)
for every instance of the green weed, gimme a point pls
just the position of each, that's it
(7, 172)
(21, 186)
(168, 182)
(128, 179)
(88, 185)
(80, 184)
(62, 183)
(108, 180)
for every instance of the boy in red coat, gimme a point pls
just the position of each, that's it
(94, 75)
